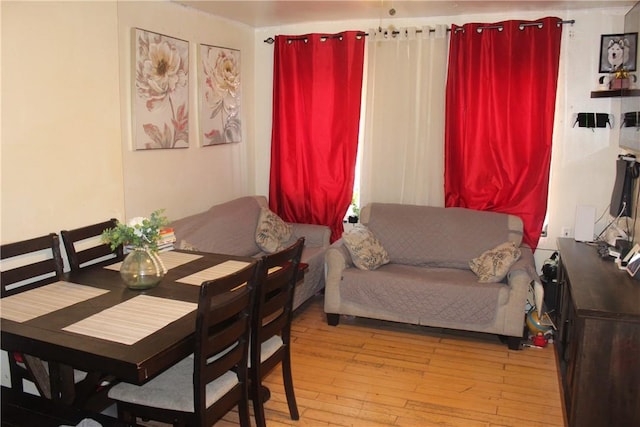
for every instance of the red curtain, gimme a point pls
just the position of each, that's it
(501, 92)
(317, 86)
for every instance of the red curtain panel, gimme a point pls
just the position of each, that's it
(316, 111)
(500, 103)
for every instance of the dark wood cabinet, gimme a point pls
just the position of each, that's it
(598, 341)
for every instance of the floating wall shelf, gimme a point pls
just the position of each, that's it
(615, 93)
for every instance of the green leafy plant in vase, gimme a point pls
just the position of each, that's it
(142, 268)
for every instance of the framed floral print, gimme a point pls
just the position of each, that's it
(161, 92)
(220, 121)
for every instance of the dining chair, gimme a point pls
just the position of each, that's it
(31, 264)
(26, 265)
(34, 262)
(271, 327)
(202, 388)
(84, 247)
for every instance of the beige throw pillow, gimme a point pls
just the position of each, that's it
(272, 233)
(493, 265)
(366, 251)
(186, 246)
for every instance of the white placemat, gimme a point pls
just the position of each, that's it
(36, 302)
(170, 259)
(214, 272)
(132, 320)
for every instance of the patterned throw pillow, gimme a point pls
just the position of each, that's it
(493, 265)
(366, 251)
(186, 246)
(272, 233)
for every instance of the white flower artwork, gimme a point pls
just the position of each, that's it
(161, 92)
(220, 95)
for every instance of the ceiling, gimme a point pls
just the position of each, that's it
(271, 13)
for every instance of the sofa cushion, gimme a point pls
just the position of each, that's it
(272, 233)
(436, 236)
(227, 228)
(493, 265)
(366, 251)
(230, 228)
(423, 294)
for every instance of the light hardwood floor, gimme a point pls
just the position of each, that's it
(373, 373)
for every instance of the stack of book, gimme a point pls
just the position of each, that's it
(167, 239)
(165, 242)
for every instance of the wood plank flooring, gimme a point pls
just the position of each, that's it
(373, 373)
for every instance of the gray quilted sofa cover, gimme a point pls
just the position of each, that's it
(229, 228)
(428, 280)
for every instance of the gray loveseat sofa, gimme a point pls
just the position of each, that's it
(428, 280)
(230, 228)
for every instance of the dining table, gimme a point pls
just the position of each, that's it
(91, 322)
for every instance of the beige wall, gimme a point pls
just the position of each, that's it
(66, 144)
(185, 181)
(61, 157)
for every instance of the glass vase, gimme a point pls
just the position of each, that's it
(142, 269)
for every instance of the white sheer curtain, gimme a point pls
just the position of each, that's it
(403, 143)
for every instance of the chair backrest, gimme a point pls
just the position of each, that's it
(274, 299)
(222, 338)
(29, 264)
(84, 247)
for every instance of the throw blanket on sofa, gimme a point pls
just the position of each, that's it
(409, 235)
(452, 295)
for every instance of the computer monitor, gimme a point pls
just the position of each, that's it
(622, 195)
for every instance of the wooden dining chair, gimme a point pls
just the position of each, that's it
(38, 262)
(31, 264)
(84, 247)
(202, 388)
(271, 327)
(26, 265)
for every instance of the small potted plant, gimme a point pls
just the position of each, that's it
(355, 211)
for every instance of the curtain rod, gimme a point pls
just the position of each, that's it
(271, 40)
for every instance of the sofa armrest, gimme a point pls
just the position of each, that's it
(336, 260)
(519, 278)
(526, 265)
(315, 235)
(337, 254)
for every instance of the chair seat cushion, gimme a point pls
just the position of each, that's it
(173, 389)
(269, 347)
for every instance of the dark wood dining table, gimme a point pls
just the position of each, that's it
(44, 337)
